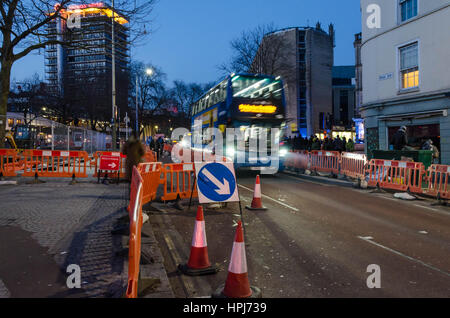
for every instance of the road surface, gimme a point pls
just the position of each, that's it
(316, 239)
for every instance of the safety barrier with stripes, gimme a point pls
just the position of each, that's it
(59, 164)
(136, 220)
(178, 181)
(386, 174)
(437, 180)
(396, 175)
(8, 161)
(353, 165)
(325, 161)
(151, 174)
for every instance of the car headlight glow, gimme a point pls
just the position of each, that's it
(283, 152)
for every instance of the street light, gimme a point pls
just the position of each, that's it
(149, 71)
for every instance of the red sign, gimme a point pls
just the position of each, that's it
(110, 163)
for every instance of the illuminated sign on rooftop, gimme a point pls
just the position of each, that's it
(85, 6)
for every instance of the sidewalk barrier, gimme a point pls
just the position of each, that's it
(134, 251)
(151, 174)
(302, 160)
(257, 202)
(150, 156)
(437, 177)
(8, 161)
(325, 161)
(353, 165)
(59, 164)
(396, 175)
(289, 162)
(178, 180)
(198, 263)
(95, 163)
(237, 284)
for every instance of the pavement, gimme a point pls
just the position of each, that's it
(46, 227)
(316, 239)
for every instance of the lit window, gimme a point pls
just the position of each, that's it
(409, 66)
(408, 9)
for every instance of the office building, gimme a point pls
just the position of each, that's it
(305, 65)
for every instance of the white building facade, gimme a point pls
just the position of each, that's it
(405, 55)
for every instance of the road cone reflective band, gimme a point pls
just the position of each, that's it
(198, 263)
(257, 202)
(237, 284)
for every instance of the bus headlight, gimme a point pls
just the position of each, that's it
(231, 152)
(283, 152)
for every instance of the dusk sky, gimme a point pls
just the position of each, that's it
(192, 37)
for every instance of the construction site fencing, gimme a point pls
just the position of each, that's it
(437, 181)
(325, 161)
(136, 220)
(58, 164)
(8, 162)
(178, 181)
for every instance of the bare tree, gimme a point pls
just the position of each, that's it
(23, 30)
(29, 99)
(153, 94)
(258, 51)
(185, 94)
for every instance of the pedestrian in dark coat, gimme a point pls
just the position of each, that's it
(134, 151)
(400, 139)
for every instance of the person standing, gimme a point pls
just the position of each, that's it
(134, 151)
(400, 139)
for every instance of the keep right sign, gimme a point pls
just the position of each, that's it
(216, 182)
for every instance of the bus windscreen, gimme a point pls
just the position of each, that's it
(256, 88)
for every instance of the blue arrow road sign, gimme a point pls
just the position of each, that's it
(216, 182)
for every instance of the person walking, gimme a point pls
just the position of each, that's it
(134, 151)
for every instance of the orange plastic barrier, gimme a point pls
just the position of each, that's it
(353, 165)
(178, 181)
(289, 162)
(297, 160)
(167, 147)
(150, 156)
(325, 161)
(437, 178)
(151, 174)
(134, 251)
(396, 175)
(302, 160)
(47, 163)
(95, 163)
(8, 162)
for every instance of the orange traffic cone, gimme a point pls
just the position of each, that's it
(237, 284)
(198, 263)
(257, 202)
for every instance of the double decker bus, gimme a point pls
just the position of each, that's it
(246, 102)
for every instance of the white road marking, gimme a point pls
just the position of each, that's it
(318, 183)
(426, 207)
(366, 239)
(274, 200)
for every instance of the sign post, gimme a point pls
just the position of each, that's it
(109, 163)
